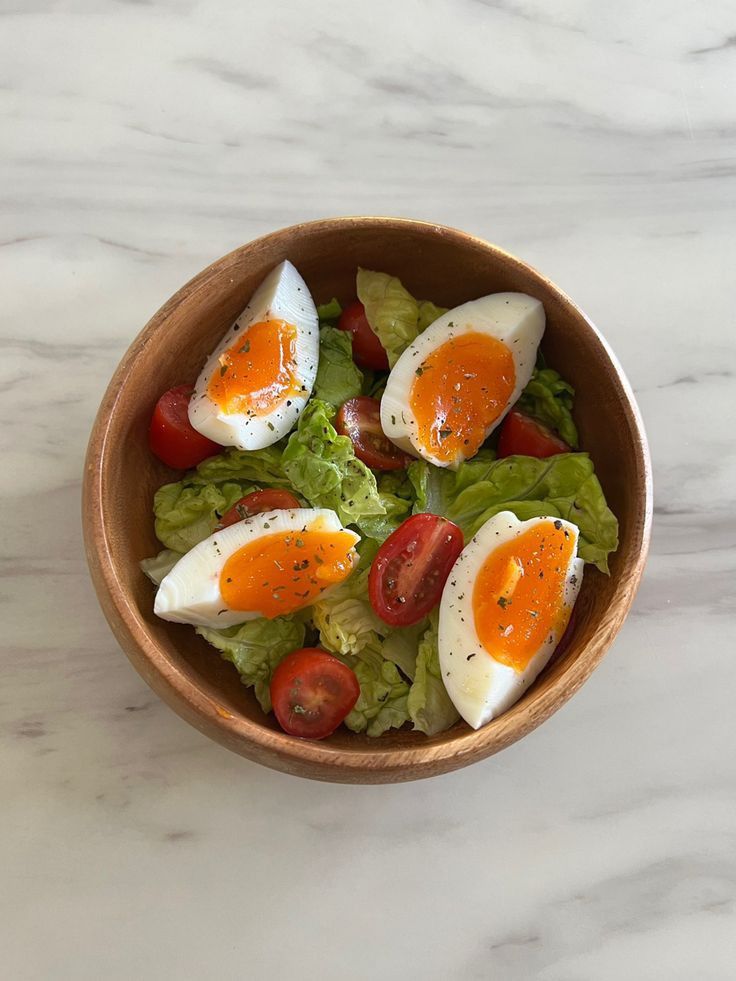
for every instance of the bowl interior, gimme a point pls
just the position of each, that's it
(440, 264)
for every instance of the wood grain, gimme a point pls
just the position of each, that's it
(121, 476)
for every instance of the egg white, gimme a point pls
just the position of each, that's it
(515, 319)
(283, 295)
(190, 593)
(480, 687)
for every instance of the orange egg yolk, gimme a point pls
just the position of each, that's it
(285, 571)
(518, 597)
(460, 389)
(257, 372)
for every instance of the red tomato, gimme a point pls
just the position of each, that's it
(360, 419)
(312, 692)
(256, 503)
(521, 435)
(411, 568)
(367, 349)
(171, 435)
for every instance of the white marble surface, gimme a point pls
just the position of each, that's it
(138, 141)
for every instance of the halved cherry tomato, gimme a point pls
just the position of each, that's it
(312, 692)
(171, 435)
(256, 503)
(360, 419)
(522, 435)
(368, 351)
(411, 568)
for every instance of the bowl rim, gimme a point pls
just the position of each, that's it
(275, 748)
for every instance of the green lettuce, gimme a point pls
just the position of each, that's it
(256, 648)
(402, 646)
(329, 313)
(259, 466)
(586, 507)
(346, 624)
(429, 705)
(563, 486)
(382, 703)
(160, 565)
(397, 483)
(435, 487)
(351, 630)
(188, 511)
(428, 313)
(344, 615)
(322, 467)
(392, 312)
(549, 399)
(338, 377)
(396, 495)
(186, 514)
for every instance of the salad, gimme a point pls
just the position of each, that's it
(386, 514)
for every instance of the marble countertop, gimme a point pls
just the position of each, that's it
(140, 140)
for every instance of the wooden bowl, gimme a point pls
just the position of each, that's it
(121, 476)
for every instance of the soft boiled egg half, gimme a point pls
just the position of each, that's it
(256, 383)
(454, 384)
(266, 566)
(504, 608)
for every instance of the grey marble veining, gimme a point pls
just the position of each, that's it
(138, 141)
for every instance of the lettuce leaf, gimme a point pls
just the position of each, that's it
(160, 565)
(255, 648)
(384, 694)
(351, 630)
(549, 399)
(428, 313)
(329, 313)
(322, 467)
(563, 486)
(338, 377)
(392, 312)
(346, 624)
(188, 511)
(434, 487)
(186, 515)
(398, 484)
(402, 647)
(429, 705)
(344, 615)
(397, 497)
(586, 507)
(259, 466)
